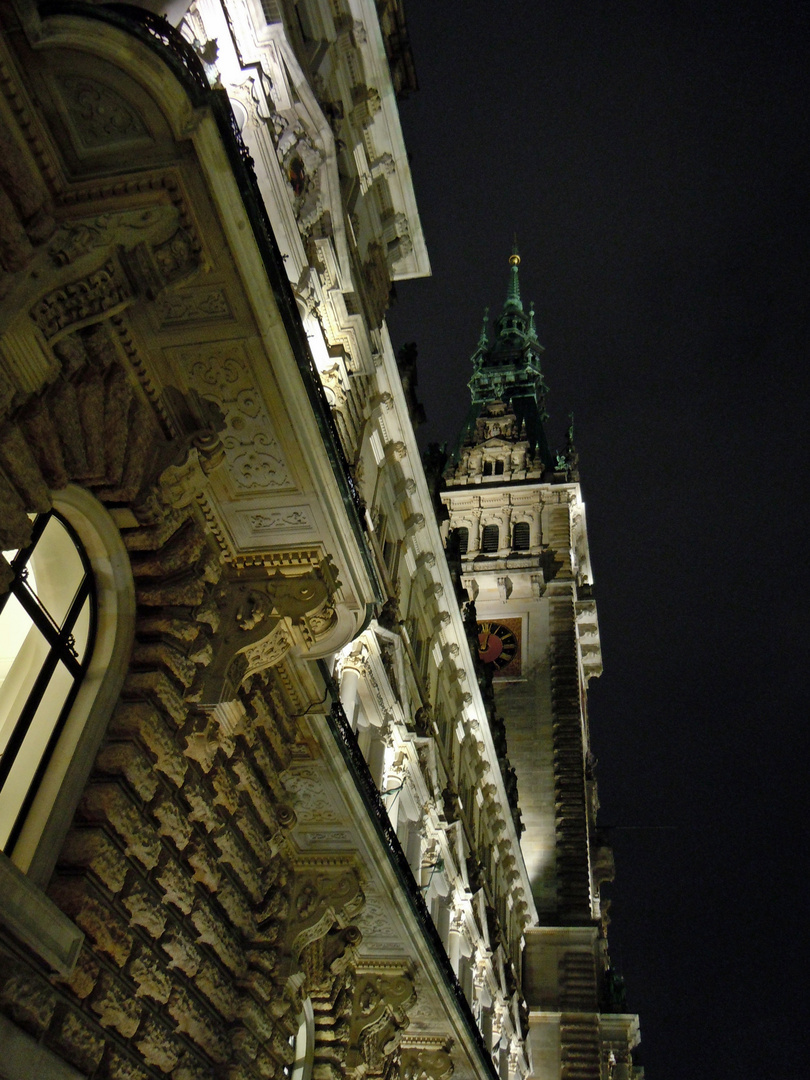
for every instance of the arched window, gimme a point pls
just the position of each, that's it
(520, 536)
(47, 629)
(59, 686)
(490, 539)
(66, 634)
(499, 468)
(487, 468)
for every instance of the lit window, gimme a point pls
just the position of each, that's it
(47, 627)
(67, 627)
(490, 538)
(520, 536)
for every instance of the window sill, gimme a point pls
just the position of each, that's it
(36, 921)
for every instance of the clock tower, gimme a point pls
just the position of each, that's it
(519, 518)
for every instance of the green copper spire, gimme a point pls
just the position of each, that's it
(507, 367)
(513, 293)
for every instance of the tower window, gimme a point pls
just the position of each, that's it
(499, 468)
(490, 539)
(487, 468)
(47, 627)
(520, 536)
(463, 539)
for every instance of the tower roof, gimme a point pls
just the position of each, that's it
(507, 369)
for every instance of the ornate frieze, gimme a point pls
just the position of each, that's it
(221, 374)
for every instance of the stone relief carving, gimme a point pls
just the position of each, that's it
(426, 1065)
(222, 376)
(258, 615)
(379, 932)
(303, 916)
(99, 115)
(155, 268)
(94, 296)
(264, 521)
(72, 240)
(174, 256)
(200, 305)
(308, 793)
(380, 1017)
(328, 839)
(144, 269)
(301, 161)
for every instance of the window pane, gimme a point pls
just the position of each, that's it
(58, 569)
(23, 650)
(33, 747)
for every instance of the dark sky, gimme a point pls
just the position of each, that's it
(653, 160)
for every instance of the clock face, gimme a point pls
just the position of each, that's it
(497, 644)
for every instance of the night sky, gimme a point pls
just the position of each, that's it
(652, 159)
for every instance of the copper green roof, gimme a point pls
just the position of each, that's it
(508, 368)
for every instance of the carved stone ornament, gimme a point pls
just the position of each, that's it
(208, 304)
(269, 521)
(301, 162)
(141, 270)
(74, 239)
(379, 1019)
(258, 615)
(222, 375)
(180, 483)
(101, 293)
(99, 116)
(426, 1065)
(305, 918)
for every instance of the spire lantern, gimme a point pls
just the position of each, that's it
(513, 292)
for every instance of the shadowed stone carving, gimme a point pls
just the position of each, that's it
(262, 617)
